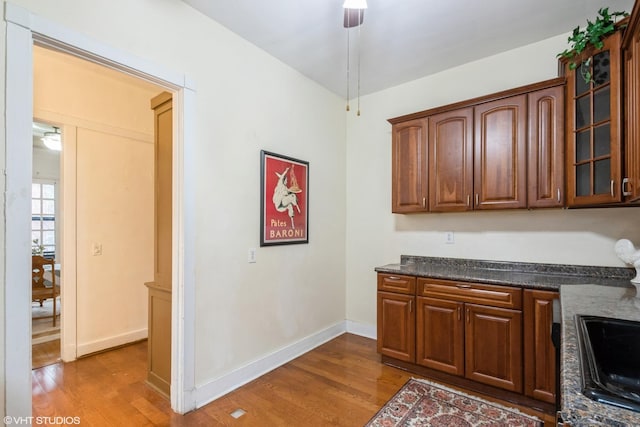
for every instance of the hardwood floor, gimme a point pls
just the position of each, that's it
(341, 383)
(45, 353)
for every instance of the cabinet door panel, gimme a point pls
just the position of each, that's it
(396, 326)
(493, 346)
(451, 161)
(539, 352)
(500, 154)
(440, 335)
(409, 167)
(594, 129)
(546, 148)
(632, 122)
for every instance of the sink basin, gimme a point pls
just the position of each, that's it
(610, 360)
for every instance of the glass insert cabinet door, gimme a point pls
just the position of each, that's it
(593, 120)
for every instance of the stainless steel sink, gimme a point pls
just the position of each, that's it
(610, 360)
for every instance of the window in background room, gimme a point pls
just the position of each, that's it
(43, 218)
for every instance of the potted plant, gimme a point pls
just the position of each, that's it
(592, 35)
(37, 248)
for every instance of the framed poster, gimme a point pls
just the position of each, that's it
(284, 200)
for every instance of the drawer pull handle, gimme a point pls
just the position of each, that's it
(461, 286)
(558, 195)
(393, 278)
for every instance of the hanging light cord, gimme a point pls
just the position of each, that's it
(359, 50)
(348, 59)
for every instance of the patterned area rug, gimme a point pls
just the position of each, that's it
(423, 403)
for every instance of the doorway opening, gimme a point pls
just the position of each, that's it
(23, 30)
(45, 238)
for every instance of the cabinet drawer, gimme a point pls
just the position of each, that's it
(397, 283)
(492, 295)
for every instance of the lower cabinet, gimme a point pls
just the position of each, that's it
(396, 326)
(493, 346)
(397, 316)
(440, 335)
(539, 352)
(490, 334)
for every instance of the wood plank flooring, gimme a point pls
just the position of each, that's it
(341, 383)
(45, 353)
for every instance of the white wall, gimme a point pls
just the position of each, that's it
(246, 101)
(46, 164)
(376, 237)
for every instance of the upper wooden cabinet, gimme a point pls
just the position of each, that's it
(594, 128)
(631, 55)
(409, 169)
(451, 161)
(500, 154)
(500, 151)
(546, 148)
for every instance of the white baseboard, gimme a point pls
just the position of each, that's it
(362, 329)
(110, 342)
(219, 387)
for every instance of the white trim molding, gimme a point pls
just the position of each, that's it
(363, 329)
(110, 342)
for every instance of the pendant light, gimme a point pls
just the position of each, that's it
(353, 17)
(53, 140)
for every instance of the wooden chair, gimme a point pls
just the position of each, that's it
(41, 288)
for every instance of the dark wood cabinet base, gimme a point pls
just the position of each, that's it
(470, 385)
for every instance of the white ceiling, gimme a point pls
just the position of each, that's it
(401, 40)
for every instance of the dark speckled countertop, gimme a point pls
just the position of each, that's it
(605, 301)
(522, 274)
(603, 291)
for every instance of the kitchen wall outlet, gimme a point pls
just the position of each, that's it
(449, 238)
(252, 255)
(96, 249)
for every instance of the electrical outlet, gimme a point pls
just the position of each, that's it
(449, 238)
(252, 255)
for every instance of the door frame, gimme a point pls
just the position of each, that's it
(23, 30)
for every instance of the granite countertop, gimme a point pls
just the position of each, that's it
(606, 301)
(522, 274)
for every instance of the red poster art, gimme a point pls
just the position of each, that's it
(284, 201)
